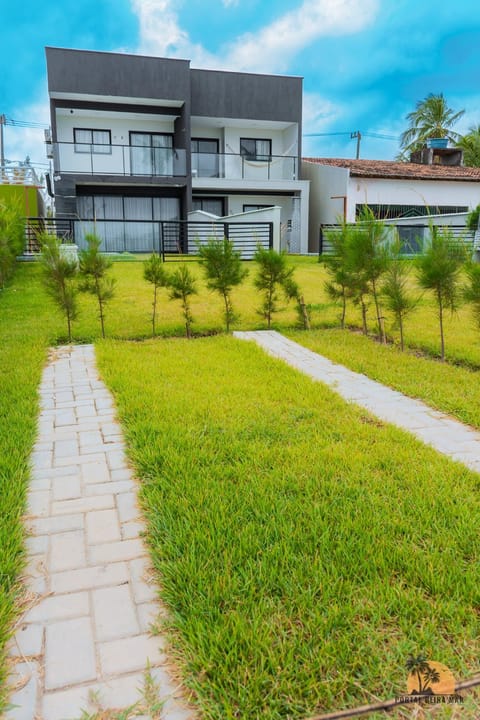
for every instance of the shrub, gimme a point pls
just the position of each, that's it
(59, 277)
(93, 269)
(223, 270)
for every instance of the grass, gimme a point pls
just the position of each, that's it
(26, 330)
(450, 388)
(302, 554)
(230, 435)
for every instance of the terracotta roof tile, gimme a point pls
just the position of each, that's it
(400, 170)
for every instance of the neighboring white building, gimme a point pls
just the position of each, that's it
(339, 188)
(138, 140)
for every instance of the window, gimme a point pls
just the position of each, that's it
(151, 153)
(92, 141)
(212, 205)
(258, 150)
(204, 157)
(249, 208)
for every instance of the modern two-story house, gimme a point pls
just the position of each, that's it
(135, 140)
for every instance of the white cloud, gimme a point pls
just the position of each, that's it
(270, 49)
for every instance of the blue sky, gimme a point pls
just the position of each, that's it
(365, 63)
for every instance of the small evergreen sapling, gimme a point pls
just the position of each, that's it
(272, 274)
(438, 270)
(182, 285)
(154, 272)
(60, 278)
(223, 270)
(93, 270)
(395, 291)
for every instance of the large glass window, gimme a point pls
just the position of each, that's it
(151, 153)
(214, 206)
(204, 157)
(256, 149)
(92, 141)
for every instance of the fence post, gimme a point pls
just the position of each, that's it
(320, 241)
(226, 231)
(161, 245)
(270, 236)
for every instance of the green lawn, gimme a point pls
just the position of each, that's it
(27, 327)
(303, 548)
(247, 468)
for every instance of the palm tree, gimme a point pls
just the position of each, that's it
(470, 144)
(430, 676)
(418, 666)
(432, 118)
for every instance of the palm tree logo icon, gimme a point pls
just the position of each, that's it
(428, 678)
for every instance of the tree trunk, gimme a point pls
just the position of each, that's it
(381, 331)
(154, 309)
(400, 324)
(440, 318)
(306, 319)
(364, 318)
(344, 310)
(227, 311)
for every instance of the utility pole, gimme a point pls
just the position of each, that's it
(357, 135)
(3, 120)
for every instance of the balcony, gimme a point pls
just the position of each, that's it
(233, 166)
(122, 160)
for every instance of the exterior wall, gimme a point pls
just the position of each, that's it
(325, 181)
(28, 199)
(76, 73)
(411, 192)
(455, 219)
(118, 162)
(246, 95)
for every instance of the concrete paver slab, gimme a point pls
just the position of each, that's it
(94, 599)
(445, 434)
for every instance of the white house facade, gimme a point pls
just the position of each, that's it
(340, 188)
(139, 140)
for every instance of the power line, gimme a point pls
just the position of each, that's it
(25, 124)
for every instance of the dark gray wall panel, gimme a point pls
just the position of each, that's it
(242, 95)
(116, 74)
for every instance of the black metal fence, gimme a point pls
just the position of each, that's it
(35, 227)
(169, 238)
(413, 238)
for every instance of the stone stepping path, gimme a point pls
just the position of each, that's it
(91, 596)
(450, 437)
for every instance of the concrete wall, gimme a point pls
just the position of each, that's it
(116, 75)
(246, 95)
(325, 181)
(379, 191)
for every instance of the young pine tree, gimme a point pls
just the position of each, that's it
(370, 254)
(272, 274)
(438, 270)
(154, 273)
(395, 290)
(182, 285)
(93, 271)
(223, 269)
(60, 278)
(340, 283)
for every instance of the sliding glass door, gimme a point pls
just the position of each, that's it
(151, 153)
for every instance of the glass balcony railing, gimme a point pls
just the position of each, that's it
(244, 167)
(89, 159)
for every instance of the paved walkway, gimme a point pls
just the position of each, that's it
(91, 595)
(448, 436)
